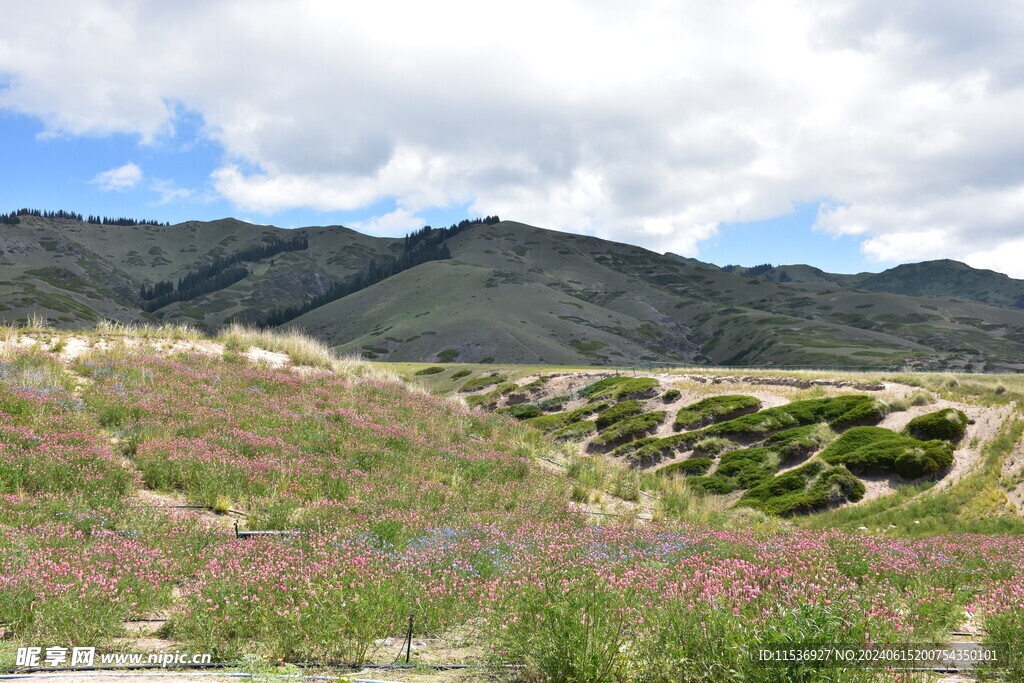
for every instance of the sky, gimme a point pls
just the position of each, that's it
(853, 135)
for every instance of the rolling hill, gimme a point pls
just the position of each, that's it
(515, 293)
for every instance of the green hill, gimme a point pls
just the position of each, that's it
(941, 278)
(513, 293)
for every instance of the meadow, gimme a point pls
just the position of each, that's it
(404, 503)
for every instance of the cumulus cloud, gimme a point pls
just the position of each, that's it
(120, 178)
(650, 123)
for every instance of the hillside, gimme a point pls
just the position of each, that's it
(128, 461)
(941, 278)
(508, 292)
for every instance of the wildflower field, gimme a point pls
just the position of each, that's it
(411, 504)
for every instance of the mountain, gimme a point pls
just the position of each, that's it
(943, 278)
(501, 291)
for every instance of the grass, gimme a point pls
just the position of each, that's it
(301, 348)
(411, 504)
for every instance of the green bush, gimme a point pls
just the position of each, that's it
(575, 430)
(619, 387)
(810, 488)
(481, 382)
(714, 409)
(629, 428)
(433, 370)
(691, 466)
(929, 457)
(878, 450)
(553, 421)
(839, 412)
(462, 373)
(671, 395)
(617, 412)
(740, 469)
(448, 355)
(799, 441)
(947, 424)
(523, 411)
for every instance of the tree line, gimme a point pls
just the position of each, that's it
(13, 218)
(421, 246)
(221, 272)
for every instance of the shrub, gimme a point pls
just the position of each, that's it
(617, 412)
(462, 373)
(800, 441)
(619, 387)
(740, 469)
(481, 382)
(812, 487)
(714, 409)
(553, 421)
(877, 450)
(576, 430)
(448, 355)
(929, 457)
(629, 428)
(691, 466)
(433, 370)
(671, 395)
(947, 424)
(839, 412)
(523, 411)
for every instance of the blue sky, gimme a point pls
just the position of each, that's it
(852, 135)
(59, 172)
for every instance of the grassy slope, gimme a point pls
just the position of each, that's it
(590, 300)
(583, 300)
(99, 269)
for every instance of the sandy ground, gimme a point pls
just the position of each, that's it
(73, 347)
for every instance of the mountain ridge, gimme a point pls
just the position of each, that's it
(513, 292)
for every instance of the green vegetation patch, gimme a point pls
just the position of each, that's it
(433, 370)
(948, 424)
(715, 409)
(839, 412)
(688, 467)
(800, 441)
(481, 382)
(881, 451)
(629, 428)
(619, 387)
(523, 411)
(462, 373)
(671, 395)
(617, 412)
(554, 421)
(489, 398)
(576, 430)
(809, 488)
(742, 469)
(448, 355)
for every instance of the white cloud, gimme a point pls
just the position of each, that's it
(169, 191)
(120, 178)
(398, 222)
(649, 123)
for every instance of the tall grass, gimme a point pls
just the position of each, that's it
(299, 346)
(182, 331)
